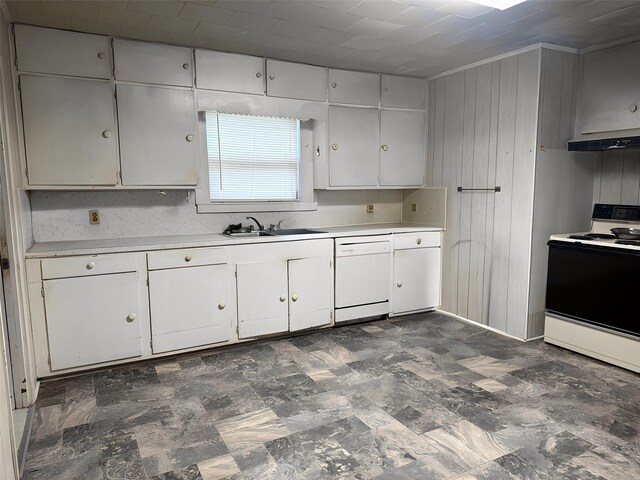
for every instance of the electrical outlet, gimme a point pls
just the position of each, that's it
(370, 208)
(94, 217)
(414, 207)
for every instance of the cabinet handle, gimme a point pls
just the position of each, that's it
(399, 283)
(385, 147)
(633, 107)
(185, 66)
(272, 77)
(258, 75)
(334, 146)
(294, 297)
(283, 298)
(189, 138)
(419, 241)
(90, 265)
(188, 257)
(131, 317)
(334, 85)
(106, 133)
(101, 55)
(221, 305)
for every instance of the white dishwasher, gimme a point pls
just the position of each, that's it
(363, 277)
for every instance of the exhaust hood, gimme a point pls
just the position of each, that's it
(613, 140)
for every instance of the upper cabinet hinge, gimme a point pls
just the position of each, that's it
(26, 173)
(42, 292)
(147, 281)
(19, 85)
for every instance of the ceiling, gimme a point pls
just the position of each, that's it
(414, 37)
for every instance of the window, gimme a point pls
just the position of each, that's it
(252, 158)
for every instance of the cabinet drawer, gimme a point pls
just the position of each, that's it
(229, 72)
(403, 92)
(152, 63)
(46, 50)
(87, 265)
(186, 258)
(402, 241)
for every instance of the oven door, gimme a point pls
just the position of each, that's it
(595, 285)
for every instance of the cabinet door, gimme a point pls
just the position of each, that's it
(158, 144)
(610, 97)
(353, 146)
(403, 92)
(416, 284)
(295, 80)
(64, 144)
(152, 63)
(46, 50)
(92, 320)
(229, 72)
(191, 307)
(402, 139)
(262, 298)
(356, 88)
(310, 292)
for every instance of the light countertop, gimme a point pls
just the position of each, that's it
(94, 247)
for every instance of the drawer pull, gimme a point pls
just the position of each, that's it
(131, 317)
(188, 257)
(221, 305)
(283, 298)
(294, 297)
(419, 241)
(399, 283)
(90, 265)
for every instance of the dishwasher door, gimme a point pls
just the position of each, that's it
(363, 271)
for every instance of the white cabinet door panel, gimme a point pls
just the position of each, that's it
(295, 80)
(158, 136)
(403, 92)
(67, 145)
(402, 155)
(88, 319)
(310, 292)
(262, 298)
(47, 50)
(353, 146)
(416, 279)
(356, 88)
(229, 72)
(152, 63)
(191, 307)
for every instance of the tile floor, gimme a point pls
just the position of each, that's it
(416, 398)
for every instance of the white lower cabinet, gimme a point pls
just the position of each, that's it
(92, 319)
(191, 306)
(416, 274)
(310, 292)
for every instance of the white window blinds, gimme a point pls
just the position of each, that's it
(252, 158)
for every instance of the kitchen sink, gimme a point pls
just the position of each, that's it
(294, 231)
(258, 233)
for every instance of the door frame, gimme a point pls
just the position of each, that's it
(8, 459)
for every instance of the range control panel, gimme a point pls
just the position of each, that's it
(626, 213)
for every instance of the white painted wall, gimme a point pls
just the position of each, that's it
(60, 216)
(617, 178)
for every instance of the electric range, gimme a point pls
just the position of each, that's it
(593, 284)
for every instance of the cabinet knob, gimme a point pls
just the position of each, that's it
(106, 133)
(633, 107)
(386, 89)
(189, 138)
(294, 297)
(90, 265)
(185, 66)
(385, 147)
(188, 257)
(258, 75)
(334, 146)
(419, 241)
(131, 317)
(272, 77)
(334, 85)
(101, 55)
(399, 283)
(283, 298)
(221, 305)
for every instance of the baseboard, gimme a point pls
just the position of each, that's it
(24, 442)
(481, 325)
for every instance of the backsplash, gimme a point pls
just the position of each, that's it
(58, 216)
(617, 178)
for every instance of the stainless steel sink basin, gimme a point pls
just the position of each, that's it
(258, 233)
(295, 231)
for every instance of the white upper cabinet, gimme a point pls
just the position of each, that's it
(403, 92)
(45, 50)
(229, 72)
(402, 140)
(158, 136)
(610, 90)
(152, 63)
(353, 146)
(64, 144)
(357, 88)
(295, 80)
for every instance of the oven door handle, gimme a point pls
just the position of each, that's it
(579, 246)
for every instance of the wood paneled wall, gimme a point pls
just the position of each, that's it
(617, 178)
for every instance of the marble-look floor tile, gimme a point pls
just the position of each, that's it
(490, 385)
(488, 366)
(218, 468)
(250, 430)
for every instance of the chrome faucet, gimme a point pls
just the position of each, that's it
(260, 226)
